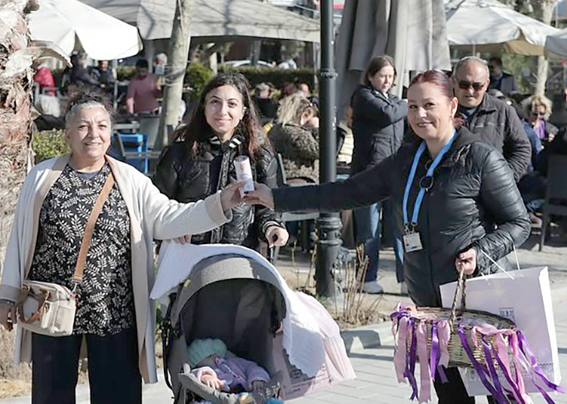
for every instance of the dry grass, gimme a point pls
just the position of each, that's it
(14, 388)
(350, 308)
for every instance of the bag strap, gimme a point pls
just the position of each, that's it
(97, 208)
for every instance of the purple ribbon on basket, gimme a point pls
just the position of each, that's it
(411, 359)
(480, 369)
(444, 334)
(502, 359)
(400, 356)
(435, 354)
(498, 388)
(525, 348)
(425, 393)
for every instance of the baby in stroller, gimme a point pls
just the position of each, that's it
(215, 367)
(218, 368)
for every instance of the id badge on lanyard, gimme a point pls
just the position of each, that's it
(412, 242)
(412, 238)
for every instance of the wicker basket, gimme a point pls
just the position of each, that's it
(490, 344)
(467, 319)
(458, 355)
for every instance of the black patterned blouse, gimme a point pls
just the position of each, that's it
(105, 300)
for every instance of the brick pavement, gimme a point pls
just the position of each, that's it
(376, 381)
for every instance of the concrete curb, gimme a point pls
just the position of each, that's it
(367, 337)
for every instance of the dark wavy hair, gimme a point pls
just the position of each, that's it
(443, 82)
(197, 132)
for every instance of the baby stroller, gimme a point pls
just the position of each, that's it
(233, 294)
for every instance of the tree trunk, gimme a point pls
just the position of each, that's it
(175, 71)
(543, 10)
(15, 92)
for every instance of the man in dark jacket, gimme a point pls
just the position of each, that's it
(498, 79)
(495, 121)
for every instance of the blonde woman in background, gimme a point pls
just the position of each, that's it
(537, 110)
(295, 137)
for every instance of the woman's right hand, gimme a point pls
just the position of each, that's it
(262, 195)
(230, 196)
(8, 316)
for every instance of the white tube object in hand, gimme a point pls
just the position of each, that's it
(244, 173)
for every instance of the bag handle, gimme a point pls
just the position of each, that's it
(97, 208)
(461, 287)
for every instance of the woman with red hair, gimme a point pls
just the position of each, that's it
(455, 200)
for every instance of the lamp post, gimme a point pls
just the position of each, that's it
(329, 224)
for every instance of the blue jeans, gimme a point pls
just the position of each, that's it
(389, 221)
(367, 231)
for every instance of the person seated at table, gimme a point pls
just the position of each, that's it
(142, 90)
(44, 78)
(537, 110)
(104, 75)
(78, 74)
(295, 137)
(50, 118)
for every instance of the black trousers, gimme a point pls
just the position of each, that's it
(114, 375)
(454, 391)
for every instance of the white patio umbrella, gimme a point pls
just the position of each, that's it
(102, 37)
(213, 18)
(491, 26)
(556, 45)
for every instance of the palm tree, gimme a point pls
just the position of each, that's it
(17, 52)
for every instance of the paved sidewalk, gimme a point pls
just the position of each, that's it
(371, 348)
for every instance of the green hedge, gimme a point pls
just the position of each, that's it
(276, 76)
(48, 144)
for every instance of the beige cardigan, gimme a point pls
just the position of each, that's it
(152, 216)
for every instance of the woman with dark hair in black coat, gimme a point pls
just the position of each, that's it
(454, 198)
(224, 126)
(378, 129)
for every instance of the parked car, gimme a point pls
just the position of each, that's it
(238, 63)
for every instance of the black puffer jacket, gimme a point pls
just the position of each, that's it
(497, 123)
(473, 191)
(377, 126)
(187, 179)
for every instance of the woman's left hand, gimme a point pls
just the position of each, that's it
(466, 261)
(276, 236)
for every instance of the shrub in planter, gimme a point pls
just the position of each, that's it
(196, 76)
(48, 144)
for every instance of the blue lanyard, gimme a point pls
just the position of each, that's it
(421, 194)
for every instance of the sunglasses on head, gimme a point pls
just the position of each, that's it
(465, 85)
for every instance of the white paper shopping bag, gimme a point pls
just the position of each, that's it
(523, 296)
